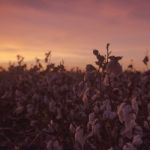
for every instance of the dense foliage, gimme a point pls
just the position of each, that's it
(54, 109)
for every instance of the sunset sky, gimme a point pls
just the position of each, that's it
(72, 28)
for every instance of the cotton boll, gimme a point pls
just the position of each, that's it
(138, 130)
(109, 115)
(137, 141)
(129, 146)
(123, 112)
(19, 109)
(120, 112)
(33, 123)
(106, 114)
(52, 126)
(7, 94)
(107, 105)
(72, 128)
(96, 95)
(96, 127)
(57, 146)
(85, 99)
(127, 112)
(130, 121)
(135, 106)
(129, 125)
(102, 107)
(79, 136)
(51, 122)
(18, 93)
(53, 145)
(127, 132)
(106, 81)
(146, 125)
(95, 132)
(49, 145)
(91, 119)
(96, 109)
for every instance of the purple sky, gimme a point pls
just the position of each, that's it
(72, 28)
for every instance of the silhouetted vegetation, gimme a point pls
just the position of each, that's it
(47, 107)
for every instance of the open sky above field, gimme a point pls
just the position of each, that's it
(72, 28)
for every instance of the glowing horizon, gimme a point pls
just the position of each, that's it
(72, 29)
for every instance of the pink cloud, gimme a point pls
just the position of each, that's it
(76, 27)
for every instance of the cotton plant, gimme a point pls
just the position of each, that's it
(128, 118)
(138, 130)
(96, 127)
(72, 128)
(109, 115)
(90, 74)
(137, 140)
(106, 109)
(19, 108)
(146, 123)
(124, 111)
(106, 105)
(129, 146)
(52, 126)
(96, 107)
(54, 144)
(111, 148)
(113, 68)
(129, 124)
(47, 105)
(91, 119)
(57, 145)
(135, 105)
(18, 95)
(81, 91)
(96, 95)
(90, 94)
(33, 123)
(79, 136)
(85, 97)
(6, 95)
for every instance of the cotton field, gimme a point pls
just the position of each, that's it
(50, 108)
